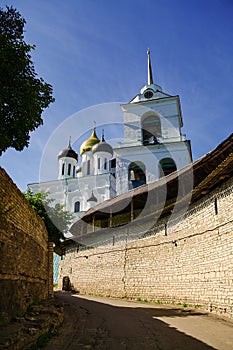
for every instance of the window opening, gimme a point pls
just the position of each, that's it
(88, 167)
(113, 163)
(216, 206)
(105, 163)
(63, 169)
(77, 207)
(166, 166)
(151, 130)
(112, 166)
(69, 169)
(137, 175)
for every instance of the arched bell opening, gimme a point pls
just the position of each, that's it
(151, 130)
(137, 174)
(166, 166)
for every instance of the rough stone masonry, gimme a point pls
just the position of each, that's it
(26, 268)
(191, 263)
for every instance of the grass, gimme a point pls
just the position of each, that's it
(142, 300)
(158, 302)
(184, 305)
(138, 299)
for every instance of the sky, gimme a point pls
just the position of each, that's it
(93, 53)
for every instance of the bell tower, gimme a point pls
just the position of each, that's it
(153, 143)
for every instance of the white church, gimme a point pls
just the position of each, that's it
(153, 147)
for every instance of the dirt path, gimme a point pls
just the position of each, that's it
(110, 324)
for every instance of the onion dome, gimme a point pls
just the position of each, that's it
(89, 143)
(68, 152)
(102, 146)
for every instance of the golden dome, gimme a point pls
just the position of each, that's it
(89, 143)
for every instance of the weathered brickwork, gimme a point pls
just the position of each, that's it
(26, 260)
(192, 264)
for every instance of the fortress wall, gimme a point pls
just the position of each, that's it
(192, 264)
(26, 267)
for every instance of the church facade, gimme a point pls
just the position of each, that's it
(153, 147)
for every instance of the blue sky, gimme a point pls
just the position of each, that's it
(94, 52)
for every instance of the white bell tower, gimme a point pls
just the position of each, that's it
(153, 143)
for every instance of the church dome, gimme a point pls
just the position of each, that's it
(68, 152)
(102, 147)
(89, 143)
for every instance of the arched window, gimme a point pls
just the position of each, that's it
(137, 177)
(151, 130)
(73, 170)
(88, 167)
(105, 163)
(69, 169)
(166, 166)
(63, 169)
(77, 207)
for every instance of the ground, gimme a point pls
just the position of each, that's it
(111, 324)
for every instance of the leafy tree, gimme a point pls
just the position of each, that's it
(23, 96)
(56, 219)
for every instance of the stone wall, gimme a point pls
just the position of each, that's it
(26, 267)
(191, 263)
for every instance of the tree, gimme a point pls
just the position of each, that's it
(23, 96)
(56, 219)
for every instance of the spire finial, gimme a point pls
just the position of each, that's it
(103, 140)
(69, 145)
(94, 125)
(150, 76)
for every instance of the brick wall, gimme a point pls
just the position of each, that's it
(26, 259)
(192, 264)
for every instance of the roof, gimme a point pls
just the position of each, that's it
(90, 142)
(197, 179)
(68, 152)
(102, 146)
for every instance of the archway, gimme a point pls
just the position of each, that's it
(166, 166)
(77, 207)
(137, 174)
(151, 130)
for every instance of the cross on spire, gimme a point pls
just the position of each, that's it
(69, 145)
(150, 75)
(103, 135)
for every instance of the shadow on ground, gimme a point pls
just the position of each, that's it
(122, 325)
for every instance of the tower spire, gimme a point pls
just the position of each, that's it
(103, 140)
(150, 75)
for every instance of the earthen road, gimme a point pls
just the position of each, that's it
(112, 324)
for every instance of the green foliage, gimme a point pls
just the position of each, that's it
(56, 219)
(23, 96)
